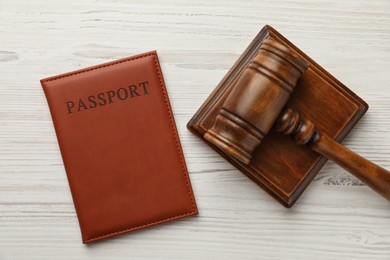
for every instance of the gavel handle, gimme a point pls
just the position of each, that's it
(304, 132)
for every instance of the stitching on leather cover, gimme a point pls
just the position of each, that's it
(174, 130)
(138, 227)
(99, 67)
(175, 136)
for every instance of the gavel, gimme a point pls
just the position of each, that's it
(257, 102)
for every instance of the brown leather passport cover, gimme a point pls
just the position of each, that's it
(120, 146)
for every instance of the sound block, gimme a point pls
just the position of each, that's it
(281, 167)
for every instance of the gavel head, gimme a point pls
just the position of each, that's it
(256, 100)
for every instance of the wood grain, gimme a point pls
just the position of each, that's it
(278, 165)
(336, 218)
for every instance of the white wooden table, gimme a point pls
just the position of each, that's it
(336, 218)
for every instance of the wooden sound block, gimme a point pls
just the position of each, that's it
(281, 167)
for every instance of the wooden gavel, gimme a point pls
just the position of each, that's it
(257, 103)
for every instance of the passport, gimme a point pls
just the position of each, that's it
(120, 146)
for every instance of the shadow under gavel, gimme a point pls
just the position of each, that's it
(257, 103)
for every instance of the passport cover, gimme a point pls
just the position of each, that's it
(120, 146)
